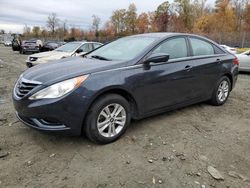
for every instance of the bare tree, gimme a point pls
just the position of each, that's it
(52, 22)
(26, 30)
(95, 24)
(65, 27)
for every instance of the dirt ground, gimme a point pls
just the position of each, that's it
(169, 150)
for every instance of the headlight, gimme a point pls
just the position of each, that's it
(59, 89)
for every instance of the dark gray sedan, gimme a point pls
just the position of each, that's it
(131, 78)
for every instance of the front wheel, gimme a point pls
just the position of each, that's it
(221, 91)
(108, 119)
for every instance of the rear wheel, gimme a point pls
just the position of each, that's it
(108, 119)
(221, 91)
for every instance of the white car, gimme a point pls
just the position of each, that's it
(230, 49)
(244, 59)
(69, 49)
(7, 43)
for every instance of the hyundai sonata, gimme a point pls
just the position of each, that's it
(130, 78)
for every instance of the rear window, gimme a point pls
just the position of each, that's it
(30, 42)
(201, 47)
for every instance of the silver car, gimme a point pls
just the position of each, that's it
(76, 48)
(230, 49)
(244, 59)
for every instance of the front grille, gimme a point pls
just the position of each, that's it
(23, 87)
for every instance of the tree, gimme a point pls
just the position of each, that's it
(36, 31)
(44, 33)
(143, 23)
(118, 20)
(2, 31)
(95, 24)
(162, 16)
(26, 30)
(247, 17)
(65, 28)
(185, 11)
(52, 22)
(131, 18)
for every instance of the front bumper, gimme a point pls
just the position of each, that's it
(63, 115)
(36, 62)
(42, 125)
(31, 49)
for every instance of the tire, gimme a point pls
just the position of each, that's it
(217, 98)
(95, 118)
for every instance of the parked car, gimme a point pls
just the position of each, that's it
(244, 59)
(51, 45)
(33, 46)
(7, 43)
(230, 49)
(130, 78)
(67, 50)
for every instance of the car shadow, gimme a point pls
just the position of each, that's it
(244, 73)
(136, 126)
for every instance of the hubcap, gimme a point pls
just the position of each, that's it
(111, 120)
(223, 91)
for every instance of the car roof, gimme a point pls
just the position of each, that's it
(82, 42)
(164, 35)
(157, 35)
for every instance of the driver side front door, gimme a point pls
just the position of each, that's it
(168, 83)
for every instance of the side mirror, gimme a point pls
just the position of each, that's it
(157, 58)
(79, 51)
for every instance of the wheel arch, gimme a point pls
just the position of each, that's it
(119, 91)
(230, 78)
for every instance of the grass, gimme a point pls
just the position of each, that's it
(241, 50)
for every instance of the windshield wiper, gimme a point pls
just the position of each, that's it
(100, 57)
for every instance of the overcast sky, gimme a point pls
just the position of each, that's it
(14, 14)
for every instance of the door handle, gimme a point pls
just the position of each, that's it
(188, 68)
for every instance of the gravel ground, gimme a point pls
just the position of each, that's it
(170, 150)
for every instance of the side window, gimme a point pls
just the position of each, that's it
(96, 45)
(201, 47)
(85, 48)
(175, 48)
(218, 50)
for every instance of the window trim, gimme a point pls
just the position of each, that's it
(200, 56)
(83, 45)
(163, 41)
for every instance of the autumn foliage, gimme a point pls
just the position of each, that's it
(228, 21)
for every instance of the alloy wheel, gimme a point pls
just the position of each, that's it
(111, 120)
(223, 91)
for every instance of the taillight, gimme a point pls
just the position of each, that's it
(232, 49)
(236, 61)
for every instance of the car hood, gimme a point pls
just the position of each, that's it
(67, 68)
(52, 55)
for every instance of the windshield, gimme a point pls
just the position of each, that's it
(122, 49)
(69, 47)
